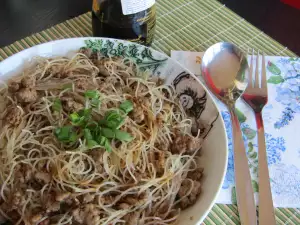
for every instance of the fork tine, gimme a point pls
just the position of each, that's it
(263, 72)
(251, 70)
(256, 82)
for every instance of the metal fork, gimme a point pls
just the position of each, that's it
(256, 95)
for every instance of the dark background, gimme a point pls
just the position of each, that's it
(20, 18)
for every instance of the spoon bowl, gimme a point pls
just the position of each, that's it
(225, 70)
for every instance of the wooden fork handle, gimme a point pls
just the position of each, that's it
(243, 183)
(266, 209)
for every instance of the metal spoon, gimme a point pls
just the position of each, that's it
(225, 70)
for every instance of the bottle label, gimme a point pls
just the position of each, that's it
(135, 6)
(95, 6)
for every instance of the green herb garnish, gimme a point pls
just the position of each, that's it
(113, 119)
(95, 102)
(66, 134)
(107, 145)
(81, 118)
(126, 106)
(107, 132)
(56, 107)
(87, 134)
(96, 133)
(92, 94)
(94, 97)
(123, 136)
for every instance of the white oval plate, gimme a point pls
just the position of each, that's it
(195, 98)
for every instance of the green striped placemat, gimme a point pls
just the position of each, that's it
(184, 25)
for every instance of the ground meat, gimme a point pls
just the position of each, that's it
(42, 176)
(137, 114)
(123, 74)
(18, 200)
(78, 215)
(107, 200)
(88, 198)
(56, 71)
(97, 155)
(82, 84)
(163, 146)
(13, 86)
(138, 175)
(141, 87)
(133, 200)
(192, 197)
(13, 116)
(24, 173)
(123, 206)
(102, 70)
(28, 82)
(184, 144)
(158, 160)
(132, 218)
(95, 56)
(70, 105)
(52, 206)
(36, 218)
(26, 95)
(164, 207)
(159, 120)
(196, 174)
(89, 214)
(72, 201)
(59, 197)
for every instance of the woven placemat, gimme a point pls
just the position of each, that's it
(184, 25)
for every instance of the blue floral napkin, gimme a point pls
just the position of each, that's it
(282, 124)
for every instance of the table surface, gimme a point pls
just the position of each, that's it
(20, 18)
(179, 27)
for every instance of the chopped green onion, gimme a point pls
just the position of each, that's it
(126, 106)
(107, 132)
(113, 120)
(123, 136)
(85, 112)
(93, 94)
(95, 102)
(81, 118)
(74, 117)
(92, 143)
(101, 140)
(115, 124)
(65, 134)
(87, 134)
(112, 115)
(107, 145)
(56, 105)
(92, 125)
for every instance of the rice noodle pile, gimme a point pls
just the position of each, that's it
(146, 179)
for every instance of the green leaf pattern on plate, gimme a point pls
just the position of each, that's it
(141, 55)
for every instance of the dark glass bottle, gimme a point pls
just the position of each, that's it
(125, 19)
